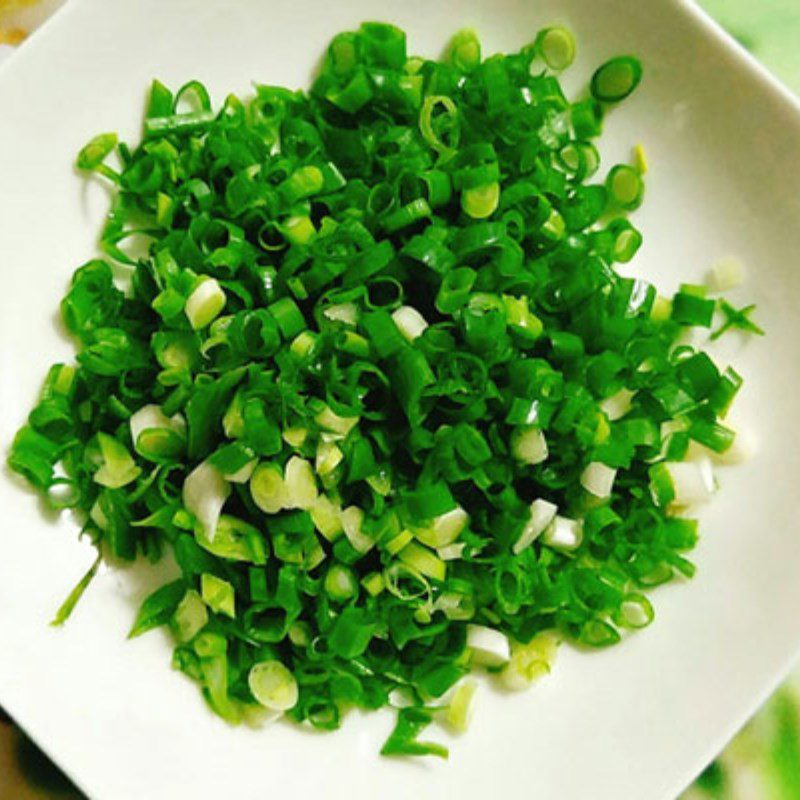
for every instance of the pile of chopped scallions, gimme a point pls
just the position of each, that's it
(377, 385)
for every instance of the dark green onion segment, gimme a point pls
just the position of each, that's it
(377, 384)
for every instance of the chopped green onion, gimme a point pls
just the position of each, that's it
(528, 445)
(744, 446)
(156, 436)
(662, 309)
(626, 242)
(329, 456)
(343, 312)
(218, 595)
(68, 606)
(333, 423)
(465, 50)
(454, 290)
(273, 685)
(407, 215)
(204, 494)
(299, 230)
(640, 159)
(295, 437)
(205, 303)
(341, 583)
(373, 583)
(116, 467)
(682, 483)
(737, 319)
(288, 316)
(327, 518)
(563, 533)
(444, 529)
(451, 552)
(301, 487)
(616, 79)
(636, 611)
(556, 47)
(91, 157)
(234, 539)
(243, 474)
(461, 706)
(617, 405)
(409, 322)
(305, 182)
(542, 514)
(451, 129)
(423, 561)
(397, 543)
(268, 488)
(352, 519)
(689, 309)
(625, 187)
(190, 617)
(598, 479)
(375, 383)
(489, 647)
(480, 202)
(403, 740)
(530, 661)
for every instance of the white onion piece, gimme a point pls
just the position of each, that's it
(444, 529)
(451, 552)
(618, 405)
(529, 445)
(342, 312)
(564, 533)
(351, 518)
(692, 481)
(409, 322)
(151, 416)
(598, 479)
(489, 647)
(301, 487)
(204, 303)
(205, 491)
(329, 456)
(542, 514)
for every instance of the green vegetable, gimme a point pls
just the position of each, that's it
(273, 685)
(190, 617)
(403, 739)
(68, 606)
(556, 46)
(737, 319)
(218, 595)
(465, 50)
(377, 384)
(158, 608)
(616, 79)
(625, 186)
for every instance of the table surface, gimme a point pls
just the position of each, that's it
(763, 761)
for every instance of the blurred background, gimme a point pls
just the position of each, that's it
(763, 761)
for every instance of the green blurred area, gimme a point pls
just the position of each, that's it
(763, 761)
(770, 29)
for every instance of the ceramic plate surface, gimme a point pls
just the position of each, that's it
(637, 721)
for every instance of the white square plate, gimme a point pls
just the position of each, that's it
(637, 721)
